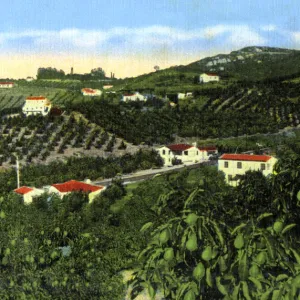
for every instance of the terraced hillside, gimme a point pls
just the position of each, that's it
(11, 100)
(246, 64)
(38, 139)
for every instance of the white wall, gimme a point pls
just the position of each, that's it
(233, 169)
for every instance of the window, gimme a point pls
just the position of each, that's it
(262, 167)
(226, 164)
(239, 165)
(186, 152)
(169, 151)
(229, 177)
(164, 152)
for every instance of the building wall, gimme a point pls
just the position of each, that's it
(5, 86)
(35, 107)
(233, 170)
(135, 97)
(206, 78)
(192, 154)
(29, 196)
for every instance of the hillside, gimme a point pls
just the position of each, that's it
(247, 64)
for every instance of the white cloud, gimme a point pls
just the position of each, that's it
(74, 39)
(270, 27)
(244, 36)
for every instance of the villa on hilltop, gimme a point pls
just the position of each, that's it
(209, 77)
(36, 105)
(6, 85)
(91, 92)
(235, 165)
(185, 153)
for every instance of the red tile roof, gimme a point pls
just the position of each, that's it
(207, 148)
(129, 95)
(6, 83)
(179, 147)
(36, 98)
(90, 91)
(211, 74)
(73, 185)
(23, 190)
(246, 157)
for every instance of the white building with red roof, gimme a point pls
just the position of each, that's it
(185, 153)
(28, 193)
(63, 189)
(236, 165)
(36, 105)
(133, 97)
(209, 77)
(91, 92)
(6, 85)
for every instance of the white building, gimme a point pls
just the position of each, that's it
(133, 97)
(185, 153)
(63, 189)
(6, 85)
(107, 86)
(184, 95)
(208, 77)
(36, 105)
(28, 193)
(235, 165)
(91, 92)
(29, 79)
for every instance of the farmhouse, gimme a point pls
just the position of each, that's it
(63, 189)
(6, 85)
(133, 97)
(91, 92)
(208, 77)
(185, 153)
(28, 193)
(36, 105)
(235, 165)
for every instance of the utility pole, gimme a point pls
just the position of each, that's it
(18, 170)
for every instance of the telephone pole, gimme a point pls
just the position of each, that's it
(18, 169)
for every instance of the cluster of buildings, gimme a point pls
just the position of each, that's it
(185, 153)
(60, 189)
(232, 165)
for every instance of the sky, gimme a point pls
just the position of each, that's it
(130, 37)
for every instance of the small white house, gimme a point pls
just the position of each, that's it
(235, 165)
(91, 92)
(28, 193)
(185, 153)
(184, 95)
(133, 97)
(208, 77)
(107, 86)
(6, 85)
(63, 189)
(36, 105)
(29, 78)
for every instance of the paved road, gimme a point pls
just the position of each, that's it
(147, 174)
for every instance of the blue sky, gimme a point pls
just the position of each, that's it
(128, 36)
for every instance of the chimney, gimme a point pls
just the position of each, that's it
(194, 144)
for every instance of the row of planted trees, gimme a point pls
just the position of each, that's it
(226, 243)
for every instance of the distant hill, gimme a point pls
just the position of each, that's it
(247, 64)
